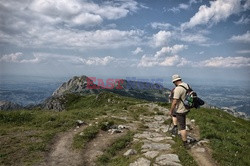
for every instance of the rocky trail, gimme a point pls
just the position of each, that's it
(62, 153)
(156, 144)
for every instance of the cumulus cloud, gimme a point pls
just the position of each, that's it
(19, 58)
(175, 60)
(165, 57)
(226, 62)
(184, 6)
(137, 51)
(161, 38)
(170, 50)
(162, 26)
(65, 24)
(53, 58)
(147, 61)
(64, 38)
(245, 38)
(82, 12)
(217, 11)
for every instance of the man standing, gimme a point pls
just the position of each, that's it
(177, 107)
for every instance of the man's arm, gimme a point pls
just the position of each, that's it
(173, 105)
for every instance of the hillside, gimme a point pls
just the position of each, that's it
(40, 137)
(84, 85)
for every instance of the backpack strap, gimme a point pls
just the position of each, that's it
(185, 87)
(186, 91)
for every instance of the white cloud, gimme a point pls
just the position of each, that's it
(202, 52)
(65, 24)
(97, 60)
(137, 51)
(53, 58)
(243, 20)
(174, 61)
(226, 62)
(19, 58)
(163, 26)
(165, 57)
(243, 52)
(147, 61)
(170, 50)
(247, 5)
(83, 12)
(64, 38)
(218, 11)
(87, 18)
(161, 38)
(245, 38)
(197, 38)
(184, 6)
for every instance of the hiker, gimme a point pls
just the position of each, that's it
(178, 111)
(174, 130)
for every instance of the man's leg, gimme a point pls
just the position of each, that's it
(182, 122)
(184, 135)
(174, 130)
(174, 120)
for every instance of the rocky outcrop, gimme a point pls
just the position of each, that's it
(55, 103)
(6, 105)
(76, 85)
(235, 113)
(84, 85)
(137, 89)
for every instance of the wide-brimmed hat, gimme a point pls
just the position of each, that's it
(175, 77)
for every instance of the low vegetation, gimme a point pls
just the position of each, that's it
(26, 135)
(229, 136)
(111, 155)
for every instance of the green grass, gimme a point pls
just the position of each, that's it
(109, 157)
(88, 134)
(27, 135)
(185, 158)
(228, 135)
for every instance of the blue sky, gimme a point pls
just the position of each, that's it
(124, 38)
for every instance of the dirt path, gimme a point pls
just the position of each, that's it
(200, 151)
(62, 153)
(96, 147)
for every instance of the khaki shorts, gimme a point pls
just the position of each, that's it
(181, 118)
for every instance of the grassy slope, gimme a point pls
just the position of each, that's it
(26, 135)
(229, 136)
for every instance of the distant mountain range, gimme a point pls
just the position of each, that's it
(84, 85)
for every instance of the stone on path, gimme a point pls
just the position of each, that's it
(168, 159)
(151, 154)
(130, 152)
(155, 146)
(141, 162)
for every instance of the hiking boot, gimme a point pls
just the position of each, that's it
(186, 145)
(191, 140)
(174, 130)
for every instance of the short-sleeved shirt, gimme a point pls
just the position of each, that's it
(180, 94)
